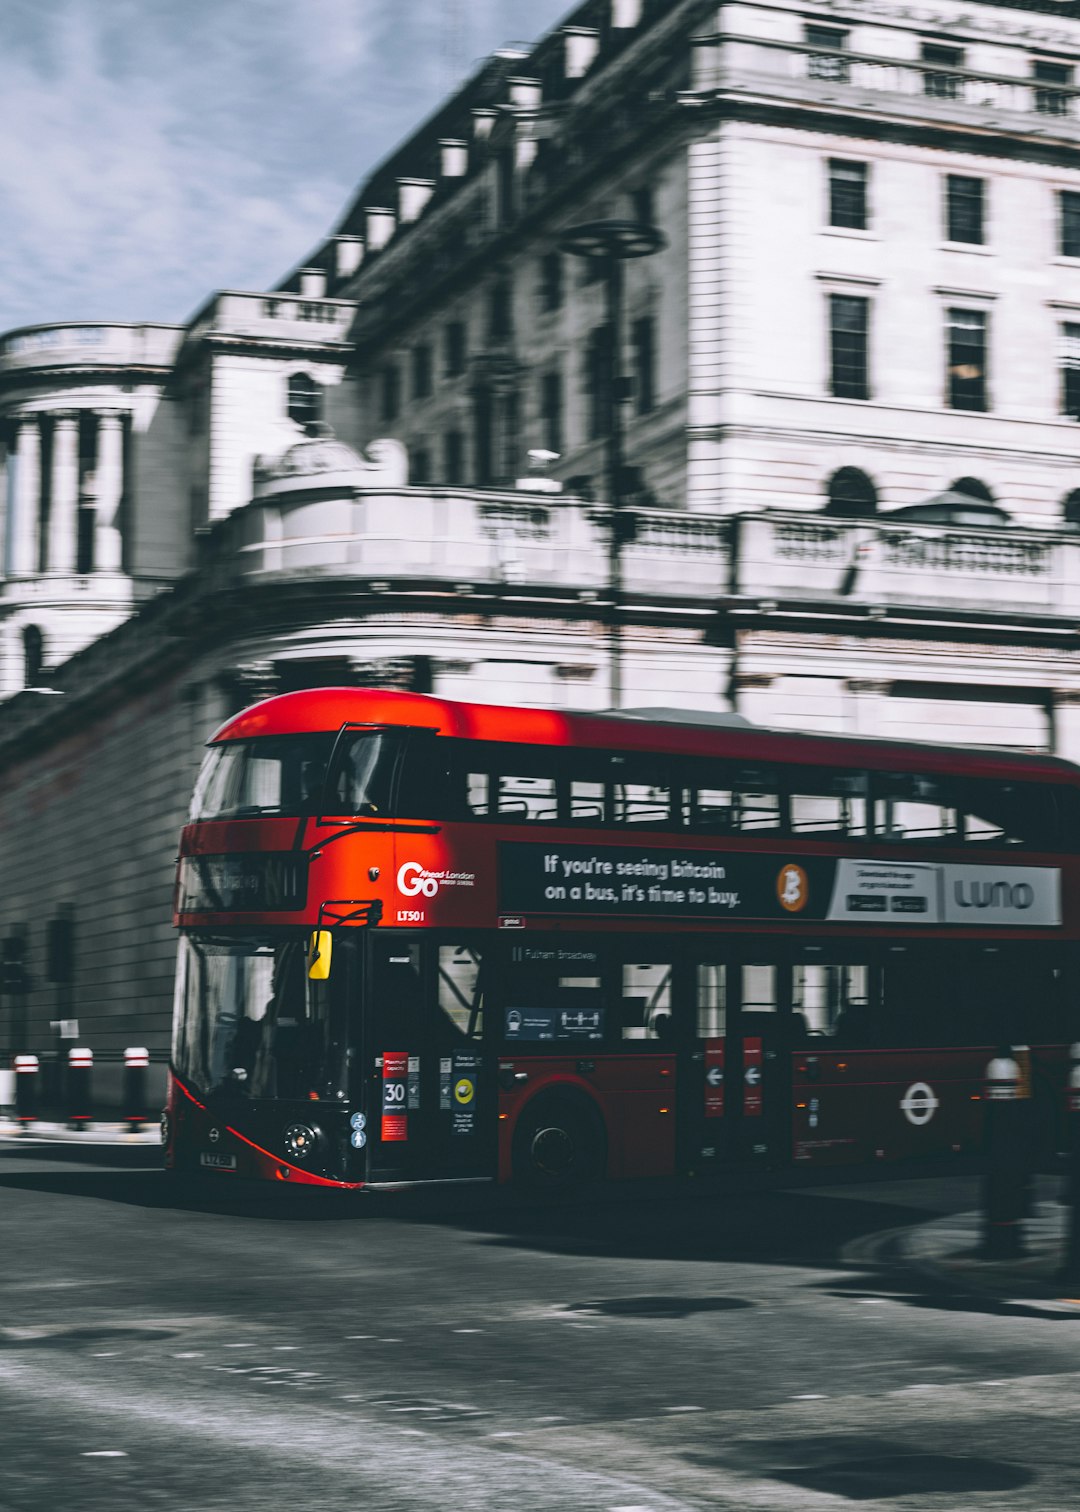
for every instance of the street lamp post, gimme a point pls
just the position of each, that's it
(610, 243)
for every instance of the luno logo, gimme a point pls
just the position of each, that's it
(994, 894)
(413, 879)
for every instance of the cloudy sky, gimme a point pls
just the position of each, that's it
(154, 151)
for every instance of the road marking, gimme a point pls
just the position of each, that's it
(104, 1354)
(104, 1454)
(870, 1301)
(286, 1346)
(239, 1346)
(359, 1336)
(468, 1330)
(684, 1409)
(810, 1396)
(189, 1354)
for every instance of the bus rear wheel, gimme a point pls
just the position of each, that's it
(558, 1147)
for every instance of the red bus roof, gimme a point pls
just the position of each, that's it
(327, 709)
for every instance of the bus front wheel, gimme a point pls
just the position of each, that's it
(558, 1146)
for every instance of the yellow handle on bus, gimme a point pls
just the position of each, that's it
(320, 950)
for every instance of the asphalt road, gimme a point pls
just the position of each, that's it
(763, 1352)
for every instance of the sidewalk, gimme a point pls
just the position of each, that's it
(43, 1131)
(948, 1250)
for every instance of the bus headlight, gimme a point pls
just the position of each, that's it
(300, 1141)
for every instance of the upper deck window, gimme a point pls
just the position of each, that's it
(296, 774)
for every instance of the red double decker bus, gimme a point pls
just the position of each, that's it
(423, 940)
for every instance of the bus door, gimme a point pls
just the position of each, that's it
(428, 1084)
(734, 1075)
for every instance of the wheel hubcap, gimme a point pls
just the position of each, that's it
(553, 1151)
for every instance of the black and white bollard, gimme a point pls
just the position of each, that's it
(1005, 1194)
(136, 1066)
(1070, 1265)
(80, 1070)
(26, 1088)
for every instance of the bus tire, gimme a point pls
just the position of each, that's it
(559, 1146)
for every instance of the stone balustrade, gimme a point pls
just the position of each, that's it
(503, 540)
(88, 346)
(729, 61)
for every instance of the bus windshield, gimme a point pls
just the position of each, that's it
(249, 1023)
(289, 774)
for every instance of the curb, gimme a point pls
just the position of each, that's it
(44, 1132)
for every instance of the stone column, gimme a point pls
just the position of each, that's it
(24, 500)
(867, 694)
(1066, 722)
(64, 502)
(108, 542)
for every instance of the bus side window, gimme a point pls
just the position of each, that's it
(645, 1001)
(834, 1001)
(757, 799)
(827, 803)
(461, 992)
(643, 796)
(530, 799)
(909, 806)
(587, 801)
(712, 808)
(476, 794)
(711, 999)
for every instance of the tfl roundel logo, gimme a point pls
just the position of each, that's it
(792, 888)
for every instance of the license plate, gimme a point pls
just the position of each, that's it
(214, 1162)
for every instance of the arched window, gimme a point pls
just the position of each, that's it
(973, 488)
(33, 655)
(305, 399)
(851, 493)
(1070, 507)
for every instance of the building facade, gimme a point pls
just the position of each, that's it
(850, 488)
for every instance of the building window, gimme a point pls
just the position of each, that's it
(454, 458)
(939, 80)
(85, 531)
(421, 371)
(391, 393)
(967, 360)
(1070, 507)
(508, 453)
(830, 64)
(551, 281)
(1052, 101)
(501, 311)
(964, 209)
(1069, 223)
(551, 411)
(304, 399)
(644, 340)
(455, 348)
(1070, 370)
(641, 206)
(597, 383)
(419, 465)
(972, 488)
(505, 185)
(847, 194)
(851, 494)
(849, 321)
(33, 656)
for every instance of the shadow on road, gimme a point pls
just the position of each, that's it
(808, 1227)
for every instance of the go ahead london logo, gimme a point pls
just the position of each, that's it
(416, 881)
